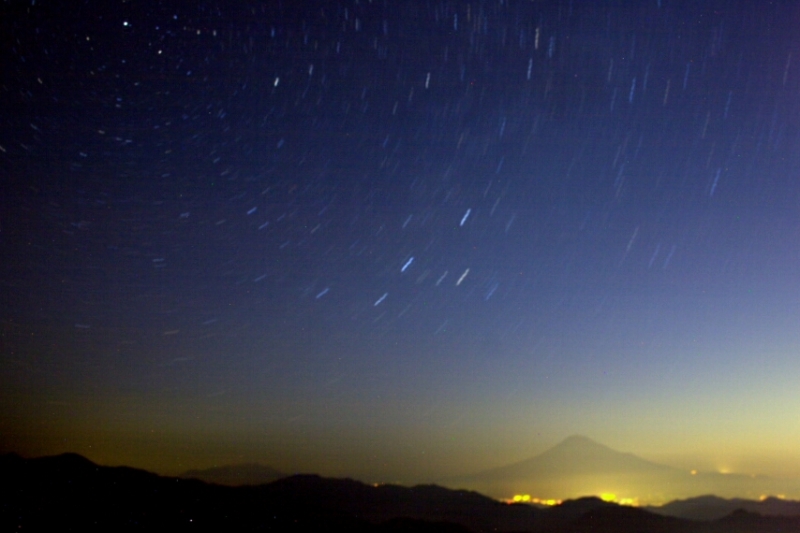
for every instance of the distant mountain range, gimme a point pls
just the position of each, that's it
(579, 466)
(70, 493)
(236, 475)
(714, 507)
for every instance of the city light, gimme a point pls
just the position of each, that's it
(549, 502)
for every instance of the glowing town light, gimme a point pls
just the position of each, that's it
(526, 498)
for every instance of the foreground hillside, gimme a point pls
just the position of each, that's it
(70, 493)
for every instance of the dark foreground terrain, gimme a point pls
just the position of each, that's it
(70, 493)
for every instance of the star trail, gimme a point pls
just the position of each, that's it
(400, 240)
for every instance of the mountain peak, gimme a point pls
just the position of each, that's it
(580, 446)
(574, 467)
(579, 440)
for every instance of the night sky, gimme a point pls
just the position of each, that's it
(400, 240)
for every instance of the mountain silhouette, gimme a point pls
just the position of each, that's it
(580, 455)
(579, 466)
(711, 507)
(236, 475)
(70, 493)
